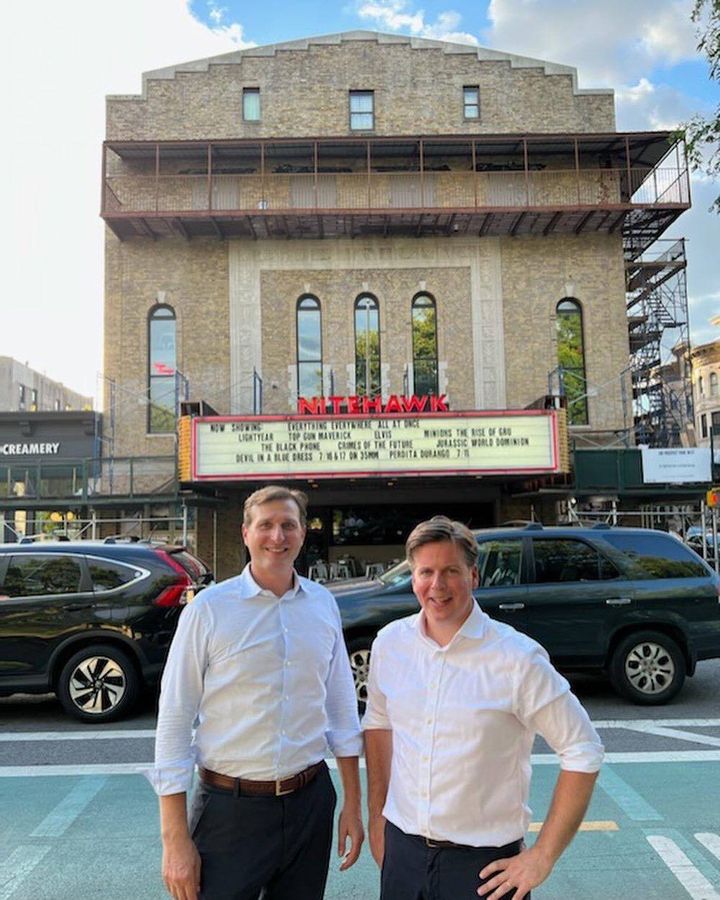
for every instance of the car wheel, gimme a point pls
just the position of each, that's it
(98, 684)
(647, 667)
(359, 653)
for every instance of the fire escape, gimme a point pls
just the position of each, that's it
(659, 342)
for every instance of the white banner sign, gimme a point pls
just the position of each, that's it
(305, 446)
(676, 465)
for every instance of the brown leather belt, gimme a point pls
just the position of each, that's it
(275, 788)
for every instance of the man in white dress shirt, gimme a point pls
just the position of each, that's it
(454, 702)
(258, 665)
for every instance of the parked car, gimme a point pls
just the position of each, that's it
(91, 621)
(634, 603)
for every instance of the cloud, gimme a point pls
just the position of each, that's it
(51, 280)
(647, 105)
(394, 15)
(611, 43)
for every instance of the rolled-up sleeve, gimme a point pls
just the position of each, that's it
(343, 735)
(180, 696)
(567, 728)
(547, 706)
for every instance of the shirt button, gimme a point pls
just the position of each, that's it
(428, 721)
(287, 662)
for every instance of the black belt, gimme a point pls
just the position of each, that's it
(276, 788)
(512, 847)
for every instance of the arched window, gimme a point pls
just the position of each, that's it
(424, 345)
(309, 347)
(367, 346)
(713, 384)
(571, 359)
(162, 364)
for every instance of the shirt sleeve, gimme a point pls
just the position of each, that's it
(547, 706)
(180, 695)
(343, 735)
(376, 714)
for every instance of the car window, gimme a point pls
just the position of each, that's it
(564, 559)
(107, 575)
(658, 555)
(499, 562)
(196, 569)
(32, 575)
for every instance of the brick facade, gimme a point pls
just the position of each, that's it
(235, 299)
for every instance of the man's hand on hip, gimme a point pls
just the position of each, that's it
(181, 868)
(376, 832)
(350, 826)
(522, 873)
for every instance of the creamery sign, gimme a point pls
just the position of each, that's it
(257, 447)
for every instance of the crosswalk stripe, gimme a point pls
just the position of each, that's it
(689, 876)
(710, 841)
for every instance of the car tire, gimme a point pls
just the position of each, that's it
(647, 667)
(98, 684)
(359, 653)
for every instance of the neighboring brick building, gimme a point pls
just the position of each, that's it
(375, 215)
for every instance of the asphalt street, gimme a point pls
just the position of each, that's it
(79, 820)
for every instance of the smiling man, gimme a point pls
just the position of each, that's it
(259, 666)
(454, 703)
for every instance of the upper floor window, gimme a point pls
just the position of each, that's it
(33, 399)
(703, 426)
(251, 104)
(362, 110)
(701, 386)
(424, 345)
(162, 362)
(21, 396)
(571, 359)
(471, 102)
(309, 347)
(713, 384)
(367, 346)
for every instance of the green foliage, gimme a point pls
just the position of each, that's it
(571, 358)
(703, 134)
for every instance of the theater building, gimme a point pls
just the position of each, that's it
(389, 270)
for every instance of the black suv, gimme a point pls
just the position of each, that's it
(91, 621)
(632, 602)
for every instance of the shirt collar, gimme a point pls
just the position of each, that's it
(250, 587)
(473, 627)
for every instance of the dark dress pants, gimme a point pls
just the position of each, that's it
(413, 871)
(274, 847)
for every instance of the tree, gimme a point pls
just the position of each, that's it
(703, 134)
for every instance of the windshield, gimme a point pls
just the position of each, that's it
(398, 573)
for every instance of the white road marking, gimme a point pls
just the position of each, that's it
(15, 869)
(679, 734)
(537, 759)
(644, 756)
(627, 798)
(710, 841)
(689, 876)
(59, 819)
(642, 724)
(29, 736)
(104, 734)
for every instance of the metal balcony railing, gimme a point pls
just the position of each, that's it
(338, 187)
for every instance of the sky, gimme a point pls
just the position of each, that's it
(59, 63)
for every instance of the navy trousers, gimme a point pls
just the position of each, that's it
(413, 871)
(277, 848)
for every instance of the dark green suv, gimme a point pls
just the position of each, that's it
(634, 603)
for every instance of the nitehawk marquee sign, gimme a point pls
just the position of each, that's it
(226, 448)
